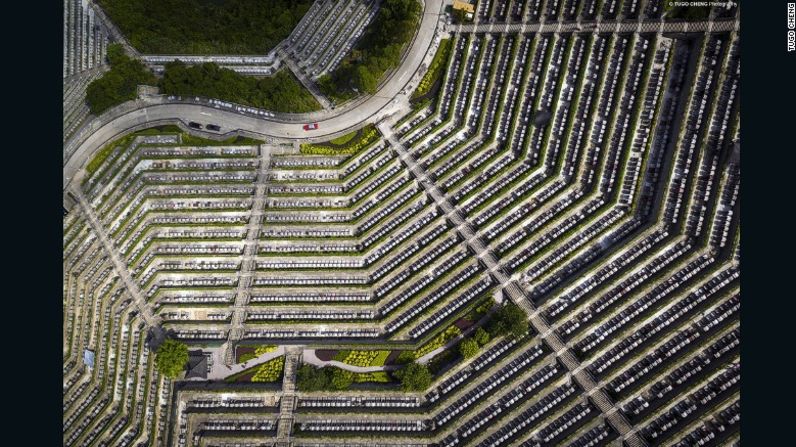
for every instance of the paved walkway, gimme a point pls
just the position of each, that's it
(220, 370)
(311, 358)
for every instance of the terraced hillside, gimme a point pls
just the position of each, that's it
(587, 181)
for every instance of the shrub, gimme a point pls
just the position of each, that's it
(264, 349)
(362, 358)
(270, 371)
(372, 377)
(369, 136)
(309, 378)
(341, 379)
(438, 341)
(468, 348)
(481, 336)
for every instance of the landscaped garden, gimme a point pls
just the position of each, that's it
(246, 353)
(347, 144)
(435, 72)
(270, 371)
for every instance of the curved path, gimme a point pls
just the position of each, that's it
(311, 358)
(122, 120)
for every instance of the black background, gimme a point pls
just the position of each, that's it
(32, 212)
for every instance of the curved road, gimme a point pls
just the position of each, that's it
(372, 109)
(140, 114)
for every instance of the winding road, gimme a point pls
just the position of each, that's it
(121, 120)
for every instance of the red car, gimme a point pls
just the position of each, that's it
(312, 126)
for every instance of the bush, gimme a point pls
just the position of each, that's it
(281, 92)
(481, 336)
(468, 348)
(372, 377)
(171, 358)
(205, 26)
(264, 349)
(341, 379)
(118, 85)
(414, 377)
(362, 358)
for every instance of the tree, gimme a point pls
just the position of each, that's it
(309, 378)
(468, 348)
(171, 358)
(414, 377)
(120, 83)
(509, 320)
(481, 336)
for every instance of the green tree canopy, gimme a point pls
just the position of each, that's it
(414, 377)
(120, 84)
(509, 320)
(378, 51)
(309, 378)
(468, 348)
(281, 92)
(171, 358)
(205, 26)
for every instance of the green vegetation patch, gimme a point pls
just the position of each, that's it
(246, 353)
(120, 84)
(171, 358)
(509, 320)
(205, 26)
(372, 377)
(270, 371)
(362, 358)
(414, 377)
(281, 92)
(362, 139)
(378, 51)
(339, 141)
(99, 158)
(437, 342)
(191, 140)
(435, 70)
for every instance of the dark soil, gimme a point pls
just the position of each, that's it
(240, 350)
(326, 354)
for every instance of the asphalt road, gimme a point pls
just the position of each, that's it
(372, 109)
